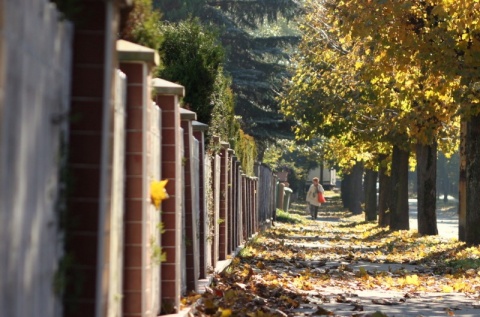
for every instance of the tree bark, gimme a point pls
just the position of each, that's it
(426, 189)
(472, 228)
(384, 194)
(345, 190)
(357, 192)
(399, 218)
(371, 195)
(462, 184)
(352, 189)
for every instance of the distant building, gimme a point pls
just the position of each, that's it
(327, 176)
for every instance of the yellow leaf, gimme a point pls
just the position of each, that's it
(412, 280)
(226, 312)
(447, 289)
(158, 192)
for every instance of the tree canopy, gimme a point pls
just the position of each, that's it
(382, 71)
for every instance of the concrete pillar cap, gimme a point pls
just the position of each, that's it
(198, 126)
(131, 52)
(186, 114)
(164, 87)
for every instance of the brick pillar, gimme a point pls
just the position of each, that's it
(139, 298)
(216, 190)
(238, 201)
(230, 229)
(223, 226)
(167, 97)
(274, 197)
(256, 226)
(250, 206)
(252, 209)
(190, 188)
(248, 209)
(235, 191)
(243, 210)
(199, 133)
(239, 205)
(89, 163)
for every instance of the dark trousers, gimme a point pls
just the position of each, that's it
(314, 211)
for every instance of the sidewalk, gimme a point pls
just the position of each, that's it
(341, 301)
(331, 267)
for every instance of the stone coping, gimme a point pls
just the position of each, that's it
(186, 114)
(131, 52)
(164, 87)
(198, 126)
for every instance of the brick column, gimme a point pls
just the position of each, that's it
(90, 142)
(223, 211)
(199, 133)
(167, 96)
(190, 188)
(231, 220)
(256, 225)
(248, 209)
(216, 190)
(139, 298)
(236, 201)
(274, 198)
(243, 208)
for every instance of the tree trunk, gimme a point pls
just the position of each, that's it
(371, 195)
(462, 184)
(345, 190)
(427, 193)
(357, 192)
(472, 228)
(399, 218)
(384, 193)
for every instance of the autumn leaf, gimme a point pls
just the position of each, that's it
(280, 274)
(225, 312)
(323, 312)
(158, 192)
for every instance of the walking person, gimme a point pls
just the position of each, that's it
(312, 197)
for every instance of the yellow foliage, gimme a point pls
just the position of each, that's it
(412, 280)
(158, 192)
(225, 312)
(447, 289)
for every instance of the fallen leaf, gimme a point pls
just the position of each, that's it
(357, 307)
(323, 312)
(226, 312)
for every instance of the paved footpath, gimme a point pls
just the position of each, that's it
(342, 301)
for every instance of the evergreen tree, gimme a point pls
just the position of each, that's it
(259, 41)
(191, 56)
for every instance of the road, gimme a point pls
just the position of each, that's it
(447, 221)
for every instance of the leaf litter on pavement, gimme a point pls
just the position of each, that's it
(305, 267)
